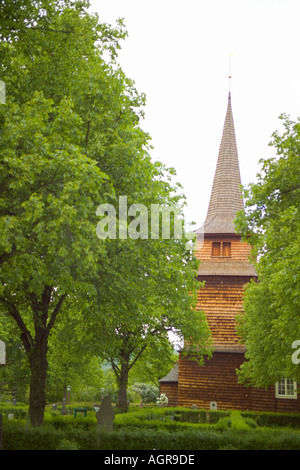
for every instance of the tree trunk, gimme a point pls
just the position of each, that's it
(36, 348)
(37, 398)
(122, 392)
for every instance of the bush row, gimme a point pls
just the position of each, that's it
(185, 415)
(272, 419)
(262, 418)
(20, 411)
(18, 436)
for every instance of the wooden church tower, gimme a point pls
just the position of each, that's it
(226, 269)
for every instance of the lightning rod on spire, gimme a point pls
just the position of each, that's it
(229, 76)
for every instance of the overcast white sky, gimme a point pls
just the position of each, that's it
(178, 52)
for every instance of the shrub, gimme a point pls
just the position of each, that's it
(147, 429)
(185, 436)
(19, 411)
(162, 400)
(236, 421)
(202, 416)
(272, 419)
(148, 393)
(17, 436)
(60, 421)
(65, 444)
(160, 439)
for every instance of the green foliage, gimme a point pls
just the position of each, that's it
(164, 429)
(59, 421)
(21, 437)
(169, 417)
(18, 411)
(70, 140)
(271, 223)
(202, 416)
(150, 368)
(272, 419)
(65, 444)
(14, 376)
(147, 393)
(236, 421)
(83, 373)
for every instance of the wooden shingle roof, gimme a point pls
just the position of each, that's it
(226, 195)
(172, 376)
(226, 268)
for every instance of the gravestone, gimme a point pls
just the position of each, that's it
(105, 415)
(213, 406)
(2, 353)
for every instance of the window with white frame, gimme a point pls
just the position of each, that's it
(286, 388)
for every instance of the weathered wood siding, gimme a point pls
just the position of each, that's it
(222, 300)
(170, 389)
(240, 251)
(217, 381)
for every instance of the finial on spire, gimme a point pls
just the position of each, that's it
(229, 76)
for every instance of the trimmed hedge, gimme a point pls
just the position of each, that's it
(19, 411)
(264, 419)
(272, 419)
(159, 428)
(267, 419)
(21, 437)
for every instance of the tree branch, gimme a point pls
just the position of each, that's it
(137, 356)
(87, 133)
(55, 313)
(51, 30)
(25, 333)
(46, 297)
(115, 368)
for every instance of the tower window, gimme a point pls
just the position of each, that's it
(221, 249)
(226, 249)
(216, 249)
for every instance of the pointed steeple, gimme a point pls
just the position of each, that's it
(226, 195)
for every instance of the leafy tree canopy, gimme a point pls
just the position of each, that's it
(71, 140)
(271, 223)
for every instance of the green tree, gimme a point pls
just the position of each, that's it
(72, 365)
(153, 292)
(147, 393)
(152, 367)
(15, 373)
(70, 140)
(18, 15)
(64, 103)
(48, 243)
(271, 223)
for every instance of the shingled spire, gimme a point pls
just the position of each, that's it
(226, 195)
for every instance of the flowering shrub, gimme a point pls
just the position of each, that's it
(162, 400)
